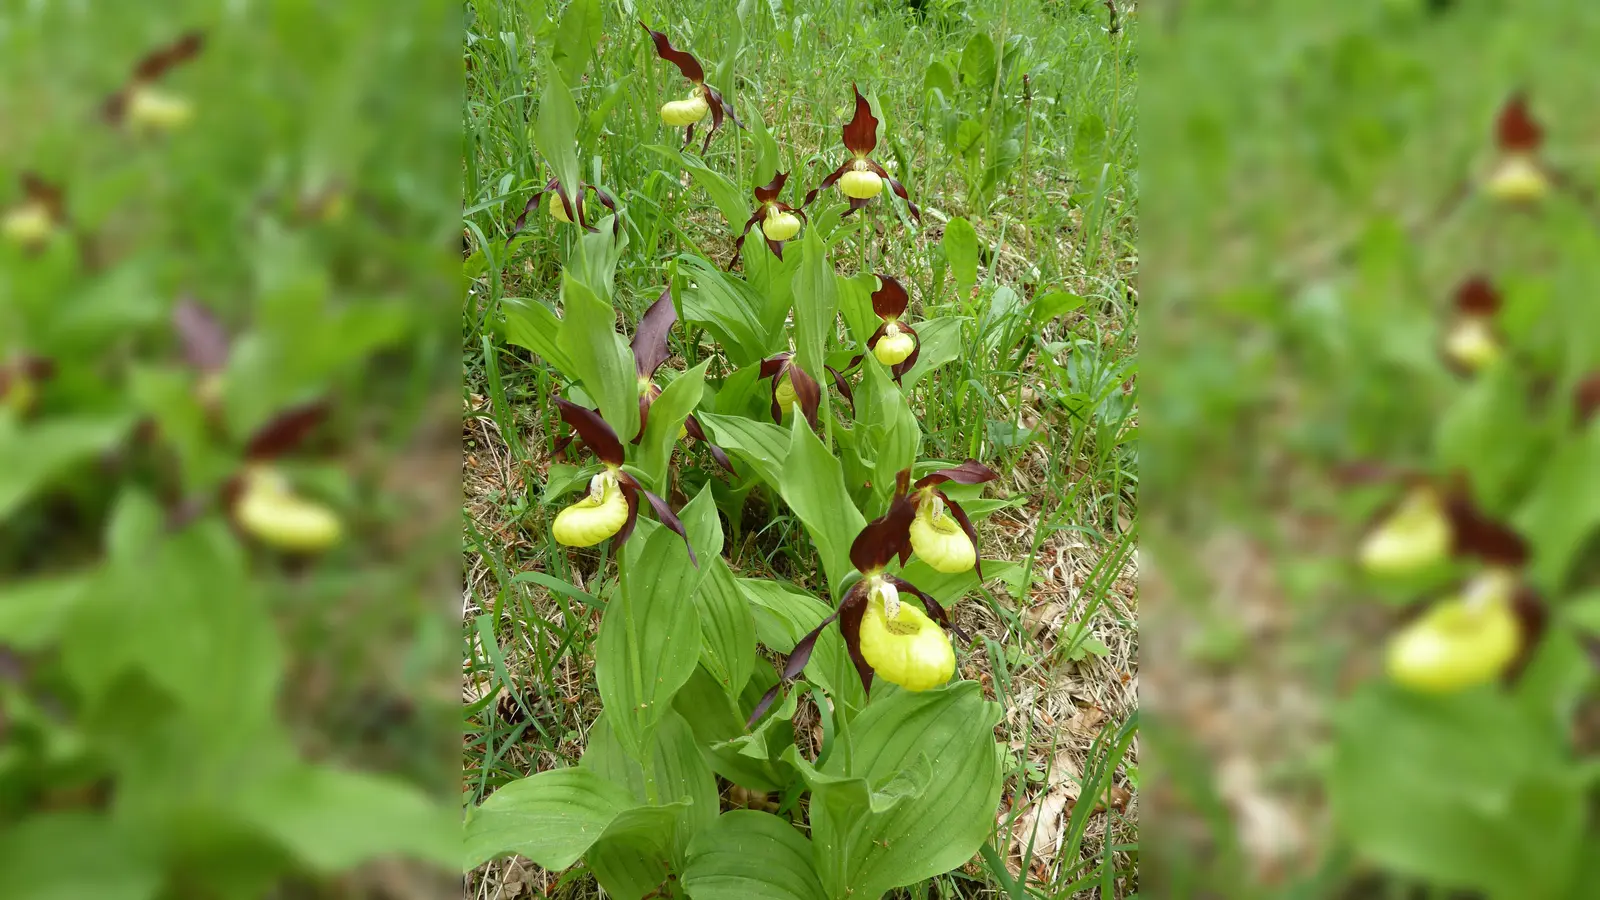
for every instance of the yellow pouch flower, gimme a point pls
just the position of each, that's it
(861, 184)
(903, 645)
(679, 113)
(1518, 179)
(939, 541)
(1462, 642)
(1414, 537)
(780, 225)
(895, 345)
(270, 511)
(599, 515)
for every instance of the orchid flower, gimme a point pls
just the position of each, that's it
(143, 107)
(884, 635)
(611, 507)
(20, 378)
(860, 177)
(702, 99)
(941, 533)
(1466, 640)
(894, 343)
(565, 209)
(1471, 343)
(1518, 176)
(779, 221)
(31, 223)
(1432, 522)
(791, 385)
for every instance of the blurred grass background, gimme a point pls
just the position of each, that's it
(1312, 202)
(184, 711)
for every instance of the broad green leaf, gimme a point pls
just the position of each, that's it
(667, 414)
(576, 38)
(649, 640)
(734, 203)
(979, 63)
(775, 731)
(334, 819)
(1563, 508)
(767, 157)
(728, 309)
(814, 311)
(727, 628)
(941, 343)
(749, 855)
(33, 456)
(890, 433)
(784, 615)
(603, 362)
(632, 859)
(938, 77)
(949, 587)
(855, 304)
(595, 263)
(1489, 433)
(555, 130)
(168, 396)
(717, 718)
(684, 783)
(531, 324)
(1465, 790)
(32, 611)
(552, 818)
(762, 445)
(72, 855)
(960, 244)
(614, 93)
(1056, 303)
(812, 483)
(916, 833)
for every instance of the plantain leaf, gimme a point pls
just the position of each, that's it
(600, 358)
(576, 38)
(750, 855)
(1563, 509)
(33, 456)
(727, 308)
(960, 244)
(812, 483)
(649, 639)
(667, 415)
(854, 298)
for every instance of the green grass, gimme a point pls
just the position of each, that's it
(1049, 402)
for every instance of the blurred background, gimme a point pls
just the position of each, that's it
(1335, 707)
(228, 460)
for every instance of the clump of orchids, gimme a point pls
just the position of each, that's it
(779, 221)
(143, 107)
(611, 506)
(1471, 342)
(702, 99)
(886, 636)
(860, 178)
(941, 534)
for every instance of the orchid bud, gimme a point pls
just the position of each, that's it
(1471, 343)
(29, 225)
(861, 182)
(780, 225)
(904, 646)
(154, 111)
(895, 345)
(1461, 642)
(938, 539)
(1416, 535)
(599, 515)
(269, 510)
(1518, 179)
(679, 113)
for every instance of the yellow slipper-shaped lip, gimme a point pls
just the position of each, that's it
(599, 515)
(1415, 536)
(893, 348)
(1459, 643)
(268, 510)
(909, 650)
(861, 184)
(937, 539)
(679, 113)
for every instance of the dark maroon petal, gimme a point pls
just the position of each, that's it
(205, 342)
(645, 399)
(843, 386)
(686, 63)
(1586, 399)
(716, 122)
(763, 706)
(882, 538)
(854, 361)
(792, 667)
(774, 365)
(900, 368)
(599, 436)
(1533, 617)
(630, 492)
(960, 516)
(692, 425)
(160, 61)
(563, 442)
(873, 339)
(715, 98)
(770, 191)
(40, 191)
(1473, 533)
(855, 204)
(1477, 297)
(688, 137)
(609, 202)
(666, 515)
(721, 456)
(807, 391)
(285, 431)
(533, 203)
(1515, 129)
(36, 367)
(827, 182)
(861, 134)
(969, 472)
(650, 348)
(850, 613)
(890, 299)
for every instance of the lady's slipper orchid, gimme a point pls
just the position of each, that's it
(941, 533)
(19, 382)
(1471, 342)
(702, 99)
(779, 221)
(611, 508)
(1518, 176)
(791, 385)
(31, 223)
(1461, 642)
(145, 108)
(895, 344)
(883, 634)
(268, 509)
(861, 178)
(1431, 523)
(565, 209)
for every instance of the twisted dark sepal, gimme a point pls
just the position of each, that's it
(692, 425)
(792, 667)
(685, 61)
(205, 343)
(1477, 297)
(969, 472)
(898, 188)
(935, 611)
(593, 430)
(1474, 533)
(650, 348)
(861, 133)
(885, 537)
(1515, 130)
(286, 431)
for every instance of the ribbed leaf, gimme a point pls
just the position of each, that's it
(783, 616)
(599, 356)
(555, 131)
(815, 313)
(681, 773)
(649, 640)
(34, 455)
(960, 244)
(551, 818)
(667, 413)
(531, 324)
(940, 340)
(749, 855)
(949, 587)
(812, 483)
(727, 628)
(729, 310)
(715, 718)
(762, 445)
(854, 298)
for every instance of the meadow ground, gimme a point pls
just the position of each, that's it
(1044, 392)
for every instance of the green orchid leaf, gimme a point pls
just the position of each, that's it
(667, 414)
(812, 483)
(600, 357)
(749, 855)
(552, 818)
(555, 130)
(762, 445)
